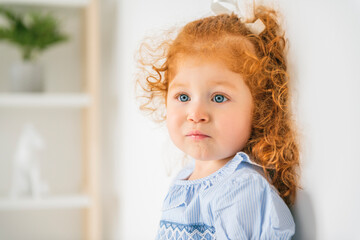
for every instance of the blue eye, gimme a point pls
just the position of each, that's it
(219, 98)
(183, 98)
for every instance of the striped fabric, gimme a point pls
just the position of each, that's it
(236, 202)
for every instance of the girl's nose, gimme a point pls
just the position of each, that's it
(198, 114)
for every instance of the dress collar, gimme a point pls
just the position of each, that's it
(224, 171)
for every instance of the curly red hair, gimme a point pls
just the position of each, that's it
(261, 60)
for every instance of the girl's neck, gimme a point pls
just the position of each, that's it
(205, 168)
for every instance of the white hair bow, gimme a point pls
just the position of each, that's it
(243, 8)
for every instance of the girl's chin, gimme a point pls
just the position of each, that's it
(200, 157)
(208, 158)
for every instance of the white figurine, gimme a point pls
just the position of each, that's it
(26, 179)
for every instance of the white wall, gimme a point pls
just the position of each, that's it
(323, 37)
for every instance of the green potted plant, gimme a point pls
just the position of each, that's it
(31, 33)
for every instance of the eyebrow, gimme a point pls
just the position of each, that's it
(174, 85)
(226, 84)
(216, 83)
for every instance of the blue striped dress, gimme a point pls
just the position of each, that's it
(235, 202)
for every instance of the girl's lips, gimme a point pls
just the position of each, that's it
(197, 135)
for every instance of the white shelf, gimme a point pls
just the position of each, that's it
(49, 202)
(64, 3)
(74, 100)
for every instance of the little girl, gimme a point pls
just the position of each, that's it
(225, 87)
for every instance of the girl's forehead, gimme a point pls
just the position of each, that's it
(192, 61)
(196, 60)
(212, 70)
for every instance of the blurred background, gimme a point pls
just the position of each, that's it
(78, 160)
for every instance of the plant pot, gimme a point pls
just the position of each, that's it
(26, 77)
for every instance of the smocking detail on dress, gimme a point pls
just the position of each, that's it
(175, 231)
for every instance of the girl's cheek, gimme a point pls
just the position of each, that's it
(174, 107)
(170, 108)
(172, 112)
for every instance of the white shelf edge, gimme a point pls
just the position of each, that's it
(64, 3)
(48, 202)
(44, 100)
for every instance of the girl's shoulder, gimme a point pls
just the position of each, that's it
(248, 181)
(246, 177)
(247, 192)
(248, 172)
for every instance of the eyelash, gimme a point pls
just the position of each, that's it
(177, 96)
